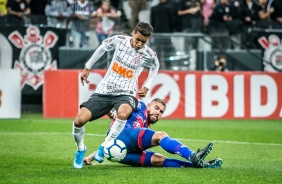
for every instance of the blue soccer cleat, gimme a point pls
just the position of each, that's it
(99, 156)
(216, 163)
(78, 159)
(198, 157)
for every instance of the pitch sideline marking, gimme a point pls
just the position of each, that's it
(181, 139)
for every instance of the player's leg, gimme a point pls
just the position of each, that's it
(128, 136)
(119, 123)
(175, 147)
(124, 105)
(78, 131)
(158, 160)
(152, 159)
(94, 108)
(147, 139)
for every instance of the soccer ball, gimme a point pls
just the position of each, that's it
(115, 150)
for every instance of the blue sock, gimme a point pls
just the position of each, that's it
(174, 147)
(169, 162)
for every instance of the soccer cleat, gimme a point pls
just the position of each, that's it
(78, 159)
(99, 156)
(198, 157)
(215, 163)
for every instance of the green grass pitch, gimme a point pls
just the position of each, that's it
(38, 150)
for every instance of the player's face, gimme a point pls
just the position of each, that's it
(138, 40)
(155, 111)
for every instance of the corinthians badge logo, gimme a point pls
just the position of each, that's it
(35, 56)
(272, 59)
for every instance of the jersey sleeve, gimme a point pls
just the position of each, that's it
(107, 45)
(110, 43)
(95, 56)
(153, 71)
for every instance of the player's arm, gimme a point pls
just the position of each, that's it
(96, 55)
(107, 45)
(152, 74)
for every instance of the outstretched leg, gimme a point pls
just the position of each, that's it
(175, 147)
(152, 159)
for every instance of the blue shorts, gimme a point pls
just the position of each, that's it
(137, 140)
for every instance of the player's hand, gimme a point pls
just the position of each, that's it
(84, 75)
(142, 92)
(112, 114)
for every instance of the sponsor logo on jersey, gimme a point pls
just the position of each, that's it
(125, 72)
(137, 60)
(111, 89)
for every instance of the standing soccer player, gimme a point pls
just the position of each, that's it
(118, 88)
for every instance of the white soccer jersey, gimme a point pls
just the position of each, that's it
(126, 66)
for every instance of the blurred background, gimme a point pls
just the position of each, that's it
(189, 36)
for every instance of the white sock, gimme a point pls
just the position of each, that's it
(78, 134)
(115, 130)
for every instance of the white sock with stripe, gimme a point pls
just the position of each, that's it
(115, 130)
(78, 134)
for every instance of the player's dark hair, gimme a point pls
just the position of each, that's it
(159, 100)
(144, 28)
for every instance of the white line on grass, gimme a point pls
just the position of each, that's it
(181, 139)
